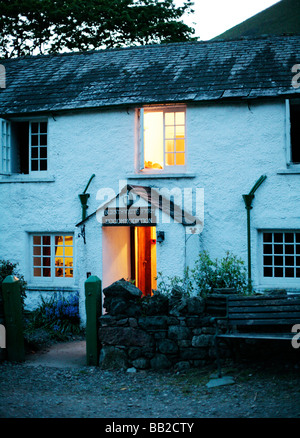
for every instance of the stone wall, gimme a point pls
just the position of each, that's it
(155, 332)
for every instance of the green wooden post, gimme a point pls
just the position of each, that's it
(93, 306)
(13, 319)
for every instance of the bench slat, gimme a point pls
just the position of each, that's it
(275, 336)
(252, 322)
(262, 309)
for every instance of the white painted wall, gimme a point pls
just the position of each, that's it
(229, 146)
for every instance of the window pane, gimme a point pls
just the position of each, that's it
(46, 240)
(179, 131)
(267, 237)
(268, 272)
(68, 261)
(169, 145)
(278, 261)
(278, 249)
(46, 261)
(278, 272)
(153, 140)
(169, 118)
(34, 140)
(59, 240)
(43, 140)
(170, 159)
(43, 152)
(297, 249)
(35, 127)
(278, 237)
(46, 272)
(43, 127)
(46, 250)
(298, 237)
(69, 240)
(59, 272)
(179, 118)
(289, 272)
(43, 165)
(36, 240)
(36, 250)
(34, 165)
(179, 145)
(289, 261)
(180, 160)
(267, 249)
(289, 237)
(37, 261)
(268, 260)
(289, 249)
(169, 132)
(35, 153)
(37, 272)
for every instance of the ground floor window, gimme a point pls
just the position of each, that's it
(281, 254)
(52, 256)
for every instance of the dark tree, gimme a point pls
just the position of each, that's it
(48, 26)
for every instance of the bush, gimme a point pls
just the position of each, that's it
(59, 316)
(229, 272)
(8, 268)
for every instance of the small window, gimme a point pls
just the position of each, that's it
(295, 133)
(52, 256)
(281, 255)
(24, 146)
(164, 139)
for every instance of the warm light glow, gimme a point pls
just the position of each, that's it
(164, 139)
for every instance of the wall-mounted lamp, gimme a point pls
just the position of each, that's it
(160, 236)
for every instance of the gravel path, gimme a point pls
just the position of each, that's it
(259, 391)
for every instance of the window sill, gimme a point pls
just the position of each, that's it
(160, 175)
(45, 288)
(25, 179)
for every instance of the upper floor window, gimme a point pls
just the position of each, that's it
(24, 146)
(163, 139)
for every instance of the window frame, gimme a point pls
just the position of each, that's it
(52, 279)
(141, 146)
(38, 146)
(14, 147)
(5, 155)
(289, 162)
(292, 282)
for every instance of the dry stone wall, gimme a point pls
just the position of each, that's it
(155, 332)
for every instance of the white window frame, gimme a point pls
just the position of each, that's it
(285, 282)
(5, 147)
(52, 280)
(30, 147)
(166, 169)
(289, 161)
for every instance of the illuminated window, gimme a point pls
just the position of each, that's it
(163, 139)
(52, 256)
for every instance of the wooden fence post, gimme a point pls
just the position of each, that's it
(93, 306)
(13, 319)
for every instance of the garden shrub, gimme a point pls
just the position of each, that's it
(60, 316)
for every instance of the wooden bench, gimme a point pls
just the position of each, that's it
(258, 317)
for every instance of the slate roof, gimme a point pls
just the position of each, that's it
(180, 72)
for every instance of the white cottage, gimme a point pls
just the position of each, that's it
(127, 129)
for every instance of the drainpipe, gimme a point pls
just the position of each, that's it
(248, 205)
(84, 198)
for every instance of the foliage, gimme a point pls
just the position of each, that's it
(47, 26)
(8, 268)
(60, 316)
(170, 285)
(228, 272)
